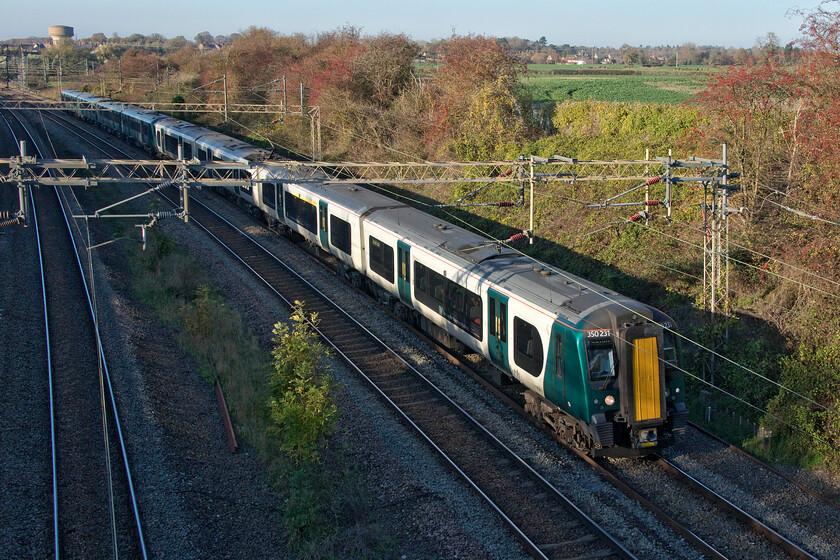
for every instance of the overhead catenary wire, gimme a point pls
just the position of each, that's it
(744, 263)
(769, 258)
(813, 205)
(379, 144)
(699, 345)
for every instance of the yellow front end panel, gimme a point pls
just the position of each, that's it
(646, 379)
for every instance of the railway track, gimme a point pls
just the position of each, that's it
(93, 502)
(809, 515)
(546, 522)
(414, 396)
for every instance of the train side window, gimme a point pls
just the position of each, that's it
(421, 283)
(450, 300)
(187, 151)
(381, 259)
(202, 154)
(527, 347)
(301, 212)
(340, 234)
(474, 315)
(268, 195)
(170, 145)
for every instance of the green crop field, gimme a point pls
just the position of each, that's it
(549, 82)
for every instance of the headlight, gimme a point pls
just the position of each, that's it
(677, 390)
(667, 392)
(609, 400)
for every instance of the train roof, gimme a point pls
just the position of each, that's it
(144, 115)
(183, 129)
(559, 293)
(82, 96)
(231, 148)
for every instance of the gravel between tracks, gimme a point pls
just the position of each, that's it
(200, 501)
(625, 519)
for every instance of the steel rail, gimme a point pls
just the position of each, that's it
(101, 350)
(533, 548)
(49, 359)
(771, 534)
(744, 453)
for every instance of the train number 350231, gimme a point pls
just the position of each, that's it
(597, 334)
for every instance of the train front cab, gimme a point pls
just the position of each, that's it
(635, 393)
(624, 385)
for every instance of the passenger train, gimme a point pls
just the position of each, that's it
(599, 368)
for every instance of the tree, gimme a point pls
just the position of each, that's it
(175, 44)
(493, 127)
(302, 410)
(204, 38)
(384, 68)
(99, 38)
(473, 66)
(749, 106)
(767, 46)
(538, 58)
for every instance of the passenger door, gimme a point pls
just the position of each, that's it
(555, 375)
(323, 233)
(404, 271)
(497, 335)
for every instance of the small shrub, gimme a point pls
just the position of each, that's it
(302, 411)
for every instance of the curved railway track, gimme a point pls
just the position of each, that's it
(93, 501)
(424, 409)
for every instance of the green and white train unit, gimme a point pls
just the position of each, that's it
(601, 369)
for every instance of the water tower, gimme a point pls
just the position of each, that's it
(61, 34)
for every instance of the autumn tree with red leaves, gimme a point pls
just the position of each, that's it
(819, 76)
(481, 104)
(752, 109)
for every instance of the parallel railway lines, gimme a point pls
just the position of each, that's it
(94, 509)
(423, 408)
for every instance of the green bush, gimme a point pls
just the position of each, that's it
(302, 411)
(815, 373)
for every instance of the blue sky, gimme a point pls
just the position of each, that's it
(735, 23)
